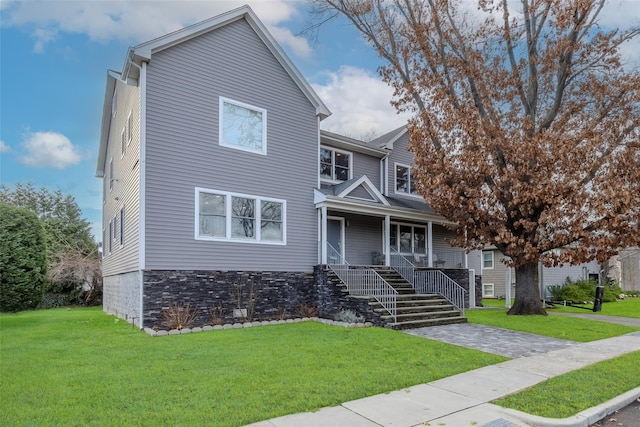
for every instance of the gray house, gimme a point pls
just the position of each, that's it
(221, 190)
(494, 274)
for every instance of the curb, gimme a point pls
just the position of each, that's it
(582, 419)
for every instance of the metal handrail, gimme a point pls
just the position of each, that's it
(436, 282)
(364, 282)
(429, 281)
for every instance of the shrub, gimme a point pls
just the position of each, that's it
(348, 316)
(23, 259)
(583, 291)
(307, 310)
(179, 316)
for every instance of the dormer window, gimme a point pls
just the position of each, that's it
(405, 181)
(335, 165)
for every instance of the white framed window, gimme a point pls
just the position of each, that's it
(335, 165)
(405, 180)
(111, 174)
(129, 128)
(121, 228)
(408, 238)
(222, 215)
(488, 290)
(108, 240)
(242, 126)
(114, 103)
(487, 260)
(123, 143)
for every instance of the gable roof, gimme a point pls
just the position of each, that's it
(144, 52)
(387, 140)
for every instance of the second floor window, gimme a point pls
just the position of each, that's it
(335, 165)
(405, 181)
(243, 126)
(487, 259)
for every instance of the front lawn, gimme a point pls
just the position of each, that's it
(573, 392)
(83, 367)
(564, 327)
(629, 307)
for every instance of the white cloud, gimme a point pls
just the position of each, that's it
(138, 21)
(49, 149)
(360, 103)
(4, 148)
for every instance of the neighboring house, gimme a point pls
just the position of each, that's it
(494, 274)
(625, 269)
(220, 186)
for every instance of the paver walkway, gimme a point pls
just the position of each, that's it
(463, 399)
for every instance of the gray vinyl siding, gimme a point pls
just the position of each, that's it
(363, 235)
(184, 84)
(126, 185)
(558, 275)
(361, 193)
(367, 165)
(400, 154)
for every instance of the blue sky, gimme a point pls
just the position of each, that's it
(54, 56)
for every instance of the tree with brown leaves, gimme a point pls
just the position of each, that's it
(526, 123)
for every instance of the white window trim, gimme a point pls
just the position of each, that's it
(228, 195)
(413, 226)
(123, 142)
(129, 128)
(121, 228)
(333, 164)
(493, 290)
(109, 241)
(395, 182)
(222, 100)
(492, 260)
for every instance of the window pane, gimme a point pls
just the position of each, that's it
(487, 259)
(243, 218)
(402, 179)
(394, 236)
(405, 238)
(342, 174)
(271, 211)
(325, 171)
(242, 126)
(326, 164)
(419, 240)
(342, 159)
(212, 215)
(271, 231)
(412, 184)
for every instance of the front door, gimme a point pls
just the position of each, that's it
(335, 238)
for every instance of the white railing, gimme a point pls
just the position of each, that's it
(363, 282)
(436, 282)
(403, 266)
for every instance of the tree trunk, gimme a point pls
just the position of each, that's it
(527, 300)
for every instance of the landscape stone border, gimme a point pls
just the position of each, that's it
(164, 332)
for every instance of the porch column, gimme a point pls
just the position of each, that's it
(387, 240)
(430, 242)
(323, 235)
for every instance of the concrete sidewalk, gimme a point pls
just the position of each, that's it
(463, 399)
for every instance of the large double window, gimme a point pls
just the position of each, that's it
(405, 181)
(239, 217)
(335, 165)
(243, 126)
(408, 239)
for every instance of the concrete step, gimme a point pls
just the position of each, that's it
(426, 322)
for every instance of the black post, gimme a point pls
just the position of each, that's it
(597, 303)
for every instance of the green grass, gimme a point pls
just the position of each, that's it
(564, 327)
(82, 367)
(629, 307)
(571, 393)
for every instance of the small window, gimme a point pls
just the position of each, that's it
(129, 128)
(110, 232)
(114, 103)
(487, 260)
(121, 226)
(243, 126)
(405, 180)
(123, 143)
(239, 217)
(487, 290)
(335, 165)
